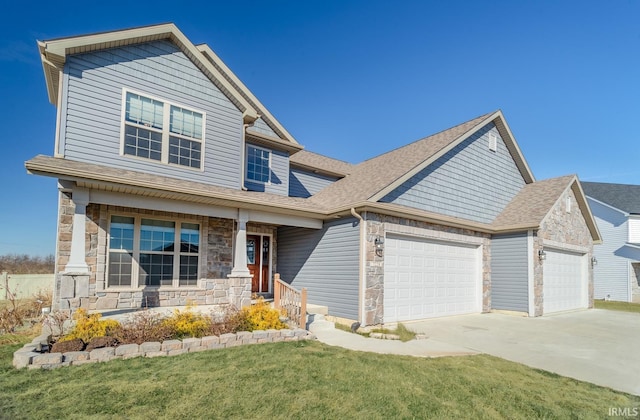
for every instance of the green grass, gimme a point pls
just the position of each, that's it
(299, 380)
(617, 306)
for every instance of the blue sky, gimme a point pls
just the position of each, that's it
(353, 79)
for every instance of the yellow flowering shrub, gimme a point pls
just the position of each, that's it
(261, 316)
(89, 326)
(188, 323)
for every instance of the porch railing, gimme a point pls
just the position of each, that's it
(293, 301)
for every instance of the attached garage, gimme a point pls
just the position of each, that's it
(425, 278)
(565, 285)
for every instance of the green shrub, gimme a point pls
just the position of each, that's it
(89, 326)
(261, 316)
(188, 323)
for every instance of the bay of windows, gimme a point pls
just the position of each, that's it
(161, 131)
(144, 252)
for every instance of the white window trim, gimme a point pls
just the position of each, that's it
(633, 226)
(246, 164)
(166, 113)
(135, 265)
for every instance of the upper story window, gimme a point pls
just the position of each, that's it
(158, 130)
(258, 164)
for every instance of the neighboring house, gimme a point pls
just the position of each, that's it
(616, 208)
(176, 184)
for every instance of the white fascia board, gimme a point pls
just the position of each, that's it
(284, 220)
(210, 54)
(57, 50)
(152, 203)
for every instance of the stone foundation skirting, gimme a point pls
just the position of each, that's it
(29, 357)
(234, 291)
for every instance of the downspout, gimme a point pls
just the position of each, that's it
(243, 153)
(362, 259)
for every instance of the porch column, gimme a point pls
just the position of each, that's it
(240, 268)
(77, 262)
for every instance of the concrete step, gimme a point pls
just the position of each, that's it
(317, 309)
(317, 322)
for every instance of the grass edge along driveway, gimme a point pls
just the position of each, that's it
(300, 380)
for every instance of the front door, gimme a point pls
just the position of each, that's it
(253, 261)
(258, 258)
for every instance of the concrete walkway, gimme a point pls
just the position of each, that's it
(328, 334)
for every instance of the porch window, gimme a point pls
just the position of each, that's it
(144, 252)
(158, 130)
(258, 164)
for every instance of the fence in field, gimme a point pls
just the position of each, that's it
(24, 285)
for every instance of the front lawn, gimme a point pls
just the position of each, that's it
(617, 306)
(299, 380)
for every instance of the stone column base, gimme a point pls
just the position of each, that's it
(239, 290)
(73, 291)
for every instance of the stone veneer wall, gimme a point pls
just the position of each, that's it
(374, 264)
(568, 230)
(216, 263)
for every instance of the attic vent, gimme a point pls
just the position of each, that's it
(493, 142)
(568, 206)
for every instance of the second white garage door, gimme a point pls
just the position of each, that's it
(565, 281)
(427, 279)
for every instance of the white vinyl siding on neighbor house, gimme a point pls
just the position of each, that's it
(426, 278)
(159, 130)
(152, 252)
(614, 255)
(634, 229)
(92, 111)
(470, 181)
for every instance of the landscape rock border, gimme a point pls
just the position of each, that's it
(34, 355)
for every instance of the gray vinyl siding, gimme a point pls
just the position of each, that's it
(261, 127)
(305, 184)
(279, 182)
(470, 181)
(611, 274)
(326, 262)
(509, 272)
(93, 109)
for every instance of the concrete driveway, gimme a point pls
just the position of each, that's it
(598, 346)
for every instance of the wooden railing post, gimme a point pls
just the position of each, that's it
(303, 308)
(276, 291)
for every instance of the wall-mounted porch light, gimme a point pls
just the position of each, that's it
(379, 243)
(542, 255)
(594, 262)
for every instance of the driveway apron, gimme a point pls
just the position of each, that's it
(597, 346)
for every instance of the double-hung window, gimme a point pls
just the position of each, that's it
(258, 164)
(158, 130)
(144, 252)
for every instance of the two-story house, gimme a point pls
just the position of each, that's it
(177, 184)
(616, 208)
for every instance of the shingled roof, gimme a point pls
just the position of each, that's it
(314, 161)
(624, 197)
(532, 203)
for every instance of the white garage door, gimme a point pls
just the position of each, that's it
(426, 279)
(565, 281)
